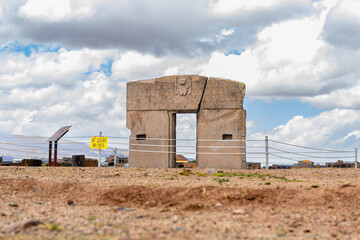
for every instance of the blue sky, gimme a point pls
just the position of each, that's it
(67, 62)
(268, 114)
(27, 50)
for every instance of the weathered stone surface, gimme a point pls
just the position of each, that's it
(145, 152)
(223, 94)
(212, 149)
(151, 116)
(171, 93)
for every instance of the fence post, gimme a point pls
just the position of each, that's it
(266, 152)
(115, 156)
(356, 163)
(99, 161)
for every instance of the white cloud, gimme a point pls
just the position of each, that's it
(291, 59)
(224, 35)
(64, 67)
(325, 130)
(355, 133)
(132, 65)
(343, 24)
(228, 31)
(287, 60)
(90, 106)
(28, 96)
(136, 66)
(230, 6)
(237, 67)
(54, 10)
(341, 98)
(55, 91)
(250, 124)
(348, 8)
(160, 28)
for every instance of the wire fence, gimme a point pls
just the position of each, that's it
(267, 152)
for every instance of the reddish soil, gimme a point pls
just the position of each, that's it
(107, 203)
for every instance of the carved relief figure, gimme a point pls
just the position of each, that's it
(182, 86)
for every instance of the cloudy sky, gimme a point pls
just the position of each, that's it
(67, 62)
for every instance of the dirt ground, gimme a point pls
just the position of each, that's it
(116, 203)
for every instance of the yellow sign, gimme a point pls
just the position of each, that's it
(99, 142)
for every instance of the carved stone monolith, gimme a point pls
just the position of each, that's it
(152, 106)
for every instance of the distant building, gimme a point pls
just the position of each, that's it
(281, 166)
(182, 161)
(121, 161)
(31, 162)
(67, 159)
(253, 165)
(340, 164)
(306, 164)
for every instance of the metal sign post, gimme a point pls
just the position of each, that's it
(55, 138)
(99, 162)
(50, 153)
(356, 162)
(99, 143)
(55, 152)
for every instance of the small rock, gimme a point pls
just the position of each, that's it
(70, 202)
(3, 214)
(218, 204)
(211, 170)
(17, 227)
(123, 209)
(239, 211)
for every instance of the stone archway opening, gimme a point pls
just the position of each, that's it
(185, 138)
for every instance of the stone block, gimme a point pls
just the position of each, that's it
(172, 93)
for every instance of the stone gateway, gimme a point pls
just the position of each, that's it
(152, 106)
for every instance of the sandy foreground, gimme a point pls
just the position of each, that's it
(116, 203)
